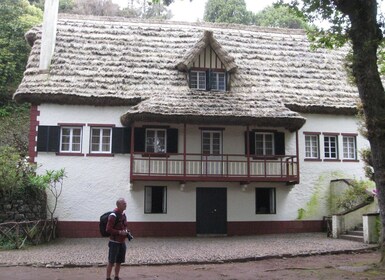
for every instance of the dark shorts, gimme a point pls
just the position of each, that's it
(116, 252)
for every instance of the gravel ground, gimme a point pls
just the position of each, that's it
(154, 251)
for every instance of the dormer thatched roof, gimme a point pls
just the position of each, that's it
(102, 61)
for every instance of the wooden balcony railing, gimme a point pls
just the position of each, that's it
(225, 167)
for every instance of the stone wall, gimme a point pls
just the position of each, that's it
(27, 206)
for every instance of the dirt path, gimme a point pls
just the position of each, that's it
(330, 267)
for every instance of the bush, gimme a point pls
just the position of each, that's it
(354, 196)
(14, 171)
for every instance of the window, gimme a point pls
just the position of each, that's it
(198, 80)
(211, 142)
(349, 147)
(70, 139)
(330, 147)
(101, 140)
(218, 81)
(264, 144)
(155, 200)
(311, 146)
(156, 140)
(265, 201)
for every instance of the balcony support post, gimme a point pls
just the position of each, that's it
(184, 149)
(297, 155)
(132, 151)
(248, 151)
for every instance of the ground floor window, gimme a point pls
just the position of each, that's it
(155, 200)
(265, 201)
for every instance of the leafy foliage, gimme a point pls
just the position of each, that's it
(280, 16)
(52, 181)
(354, 196)
(15, 171)
(14, 126)
(230, 11)
(16, 17)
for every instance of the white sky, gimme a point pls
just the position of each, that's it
(184, 10)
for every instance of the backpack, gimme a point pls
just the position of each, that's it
(104, 220)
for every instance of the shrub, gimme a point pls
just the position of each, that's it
(354, 196)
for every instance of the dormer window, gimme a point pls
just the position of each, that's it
(198, 80)
(218, 81)
(208, 80)
(209, 66)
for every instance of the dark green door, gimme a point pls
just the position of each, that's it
(211, 211)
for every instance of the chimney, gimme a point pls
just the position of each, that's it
(51, 8)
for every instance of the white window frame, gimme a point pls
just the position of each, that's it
(264, 144)
(210, 138)
(328, 146)
(349, 147)
(217, 78)
(198, 80)
(101, 142)
(272, 201)
(71, 139)
(157, 149)
(312, 146)
(148, 200)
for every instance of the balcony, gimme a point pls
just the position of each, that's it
(225, 167)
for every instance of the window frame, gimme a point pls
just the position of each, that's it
(156, 130)
(211, 139)
(328, 147)
(149, 204)
(311, 156)
(198, 86)
(71, 138)
(349, 136)
(101, 136)
(217, 81)
(264, 148)
(272, 193)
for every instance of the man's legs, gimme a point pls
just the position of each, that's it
(109, 269)
(117, 269)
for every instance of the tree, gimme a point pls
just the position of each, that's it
(230, 11)
(96, 8)
(357, 21)
(16, 18)
(279, 16)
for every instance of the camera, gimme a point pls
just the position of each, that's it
(129, 236)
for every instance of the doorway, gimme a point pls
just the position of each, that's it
(211, 211)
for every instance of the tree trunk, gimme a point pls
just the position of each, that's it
(366, 36)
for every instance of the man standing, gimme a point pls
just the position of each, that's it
(117, 227)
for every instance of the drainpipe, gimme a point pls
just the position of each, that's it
(48, 40)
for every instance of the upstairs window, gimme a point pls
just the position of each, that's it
(70, 139)
(156, 140)
(218, 81)
(208, 80)
(349, 147)
(101, 140)
(312, 146)
(198, 80)
(264, 144)
(330, 147)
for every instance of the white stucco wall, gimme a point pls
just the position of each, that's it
(94, 183)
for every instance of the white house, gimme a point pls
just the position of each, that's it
(203, 128)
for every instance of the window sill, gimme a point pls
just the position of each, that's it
(350, 160)
(70, 154)
(312, 159)
(100, 155)
(332, 160)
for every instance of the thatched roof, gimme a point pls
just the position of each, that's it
(142, 65)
